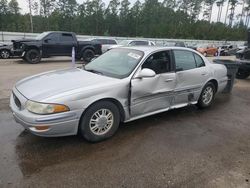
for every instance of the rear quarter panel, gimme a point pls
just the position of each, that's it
(219, 73)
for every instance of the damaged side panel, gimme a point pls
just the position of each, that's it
(152, 94)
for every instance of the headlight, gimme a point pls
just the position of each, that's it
(43, 108)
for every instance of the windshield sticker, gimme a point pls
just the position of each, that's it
(133, 55)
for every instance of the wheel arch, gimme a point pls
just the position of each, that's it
(114, 101)
(215, 82)
(5, 49)
(32, 48)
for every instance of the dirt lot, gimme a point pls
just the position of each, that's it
(187, 147)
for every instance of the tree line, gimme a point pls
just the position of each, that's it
(189, 19)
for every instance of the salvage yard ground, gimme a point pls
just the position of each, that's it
(187, 147)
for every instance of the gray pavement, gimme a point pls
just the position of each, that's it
(187, 147)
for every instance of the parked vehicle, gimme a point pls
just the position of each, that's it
(122, 85)
(243, 47)
(56, 43)
(133, 43)
(105, 42)
(227, 50)
(207, 50)
(243, 58)
(5, 51)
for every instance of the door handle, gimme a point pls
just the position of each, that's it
(169, 80)
(204, 74)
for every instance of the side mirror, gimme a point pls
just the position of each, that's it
(146, 73)
(47, 40)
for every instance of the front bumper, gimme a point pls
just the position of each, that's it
(61, 124)
(19, 52)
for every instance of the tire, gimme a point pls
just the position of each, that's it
(88, 55)
(5, 54)
(207, 96)
(242, 74)
(95, 131)
(32, 56)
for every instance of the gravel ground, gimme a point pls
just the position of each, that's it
(187, 147)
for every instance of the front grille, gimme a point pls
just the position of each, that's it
(17, 101)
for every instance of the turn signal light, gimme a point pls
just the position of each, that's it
(41, 127)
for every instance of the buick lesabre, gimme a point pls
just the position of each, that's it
(121, 85)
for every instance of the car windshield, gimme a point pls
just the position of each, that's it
(117, 63)
(41, 36)
(124, 42)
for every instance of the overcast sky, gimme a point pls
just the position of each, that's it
(24, 6)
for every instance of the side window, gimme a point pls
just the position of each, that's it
(158, 62)
(66, 37)
(132, 43)
(184, 60)
(102, 41)
(199, 61)
(141, 43)
(52, 38)
(112, 42)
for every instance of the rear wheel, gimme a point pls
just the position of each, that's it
(88, 55)
(242, 74)
(5, 54)
(100, 121)
(33, 56)
(207, 95)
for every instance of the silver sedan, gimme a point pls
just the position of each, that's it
(121, 85)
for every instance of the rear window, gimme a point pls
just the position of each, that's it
(66, 37)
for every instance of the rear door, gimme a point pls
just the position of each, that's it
(156, 93)
(65, 44)
(191, 76)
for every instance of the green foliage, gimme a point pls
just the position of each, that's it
(149, 18)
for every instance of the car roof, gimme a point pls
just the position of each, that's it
(150, 49)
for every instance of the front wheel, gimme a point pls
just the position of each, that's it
(88, 55)
(33, 56)
(5, 54)
(207, 96)
(100, 121)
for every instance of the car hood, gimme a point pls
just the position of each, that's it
(23, 40)
(45, 85)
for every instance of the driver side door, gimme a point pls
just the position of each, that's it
(50, 44)
(152, 94)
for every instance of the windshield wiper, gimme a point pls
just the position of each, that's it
(94, 71)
